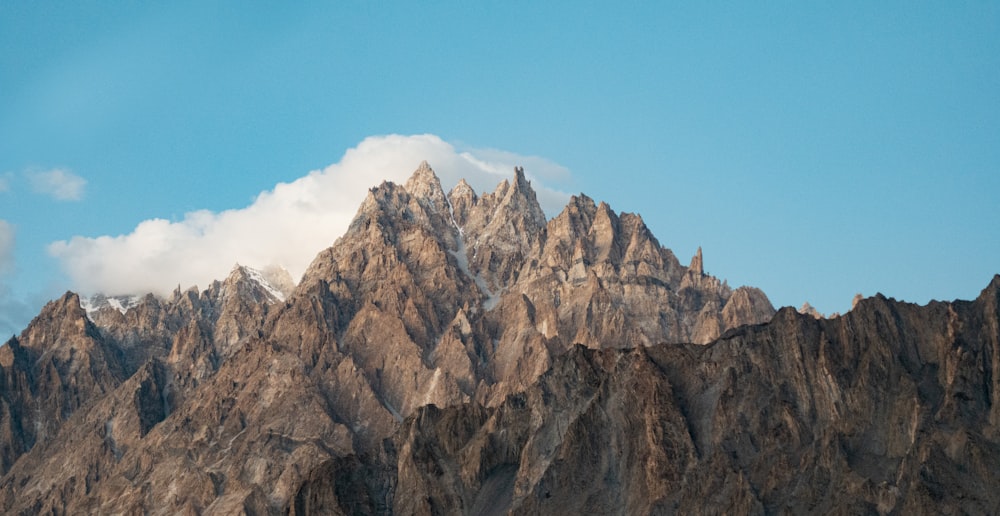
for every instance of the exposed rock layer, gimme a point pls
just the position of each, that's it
(459, 353)
(891, 408)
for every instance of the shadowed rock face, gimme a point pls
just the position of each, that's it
(434, 309)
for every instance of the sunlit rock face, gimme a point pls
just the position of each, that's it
(457, 309)
(889, 409)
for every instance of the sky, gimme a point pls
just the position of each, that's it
(815, 150)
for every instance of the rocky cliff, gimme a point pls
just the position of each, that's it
(459, 353)
(890, 409)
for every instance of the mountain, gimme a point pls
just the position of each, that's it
(890, 409)
(459, 353)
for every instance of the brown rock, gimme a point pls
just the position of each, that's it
(426, 362)
(772, 418)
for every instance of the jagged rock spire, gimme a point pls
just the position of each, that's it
(425, 186)
(463, 188)
(521, 197)
(463, 200)
(697, 263)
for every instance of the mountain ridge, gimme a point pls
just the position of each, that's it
(326, 399)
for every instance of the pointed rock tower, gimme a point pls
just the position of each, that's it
(697, 263)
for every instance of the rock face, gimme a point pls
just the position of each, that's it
(891, 408)
(58, 365)
(459, 353)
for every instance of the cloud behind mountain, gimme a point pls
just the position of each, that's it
(287, 225)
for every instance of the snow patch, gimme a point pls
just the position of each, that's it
(87, 305)
(259, 278)
(392, 410)
(96, 303)
(432, 386)
(109, 428)
(118, 305)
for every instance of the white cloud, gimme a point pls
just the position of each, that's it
(5, 182)
(286, 226)
(60, 183)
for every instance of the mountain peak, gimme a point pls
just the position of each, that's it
(463, 188)
(423, 173)
(577, 216)
(425, 186)
(68, 304)
(808, 309)
(519, 179)
(992, 291)
(520, 196)
(270, 284)
(463, 200)
(422, 182)
(994, 283)
(697, 263)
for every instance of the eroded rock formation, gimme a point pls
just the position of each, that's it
(459, 353)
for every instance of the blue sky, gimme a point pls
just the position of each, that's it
(813, 150)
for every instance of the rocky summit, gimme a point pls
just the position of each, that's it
(458, 353)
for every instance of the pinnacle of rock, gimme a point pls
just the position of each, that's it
(697, 263)
(994, 285)
(463, 189)
(521, 196)
(521, 182)
(576, 217)
(810, 310)
(463, 200)
(425, 185)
